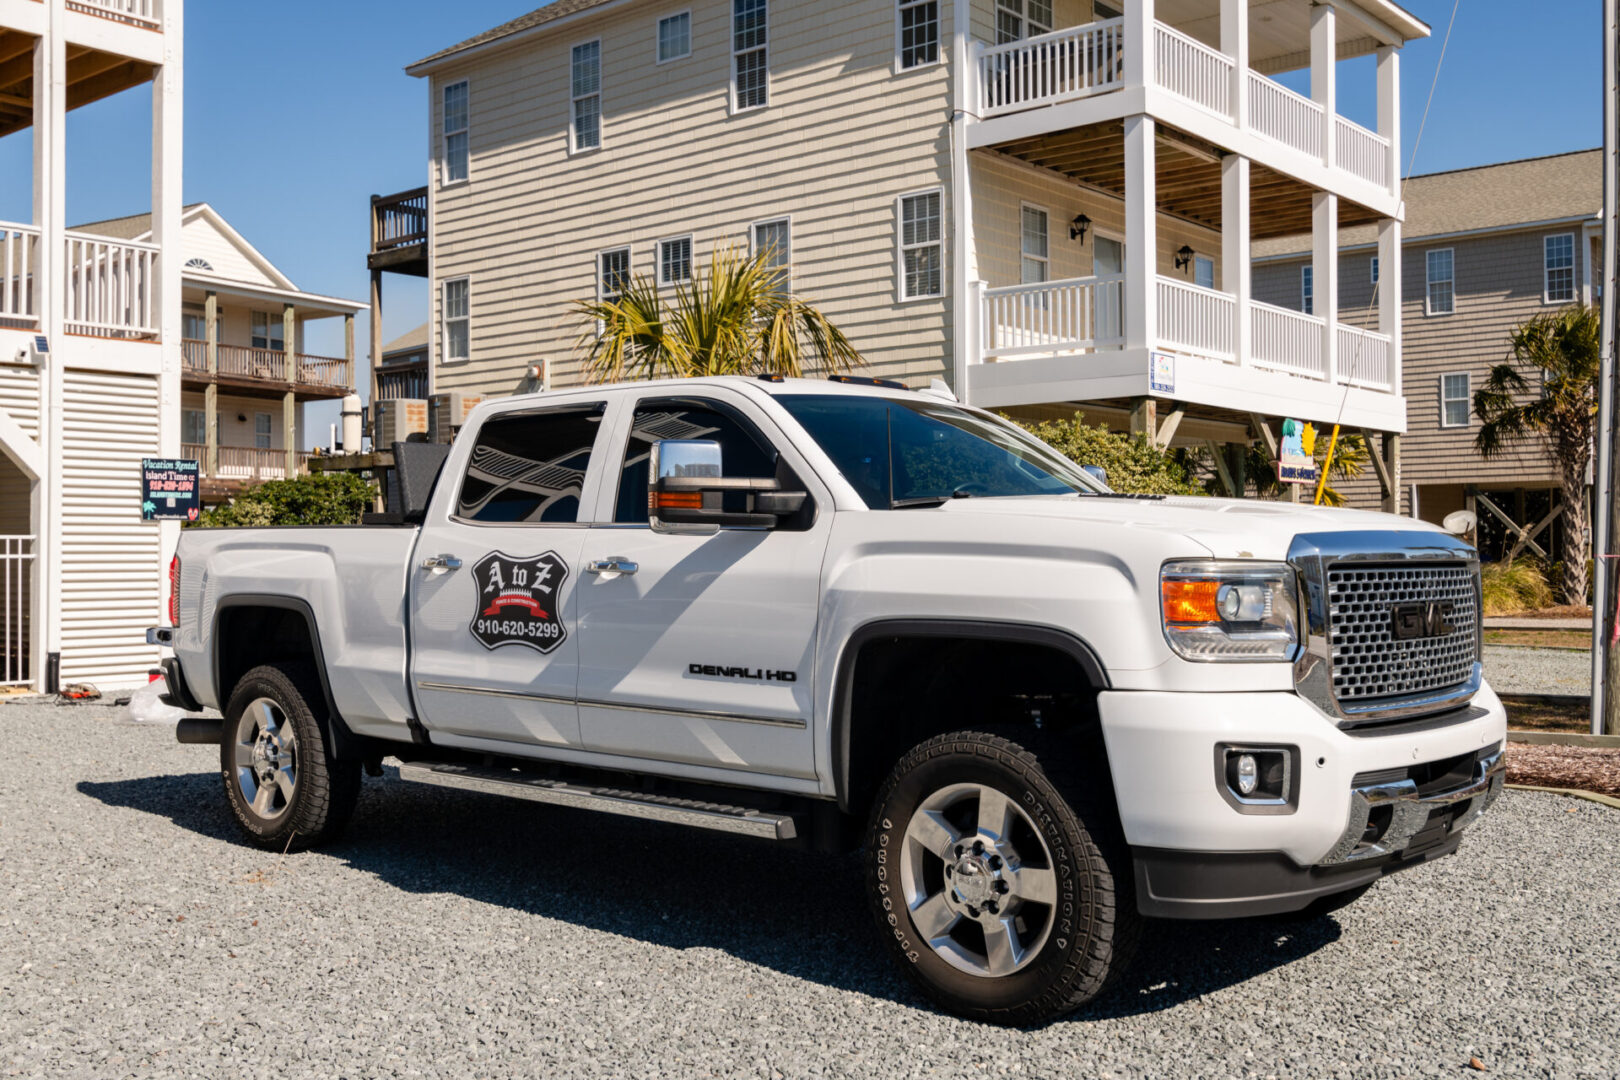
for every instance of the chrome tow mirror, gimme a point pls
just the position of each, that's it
(688, 489)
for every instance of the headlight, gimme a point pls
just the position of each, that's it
(1230, 611)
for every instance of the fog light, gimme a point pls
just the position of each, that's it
(1248, 774)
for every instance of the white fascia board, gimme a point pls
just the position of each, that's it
(424, 68)
(332, 305)
(213, 217)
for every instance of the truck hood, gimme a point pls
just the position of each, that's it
(1228, 528)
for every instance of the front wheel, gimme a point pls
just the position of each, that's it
(999, 900)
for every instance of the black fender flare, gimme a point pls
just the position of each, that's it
(843, 692)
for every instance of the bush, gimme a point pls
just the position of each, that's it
(1133, 463)
(1509, 588)
(323, 499)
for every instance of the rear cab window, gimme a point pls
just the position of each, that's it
(529, 467)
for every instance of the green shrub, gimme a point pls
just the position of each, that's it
(1133, 463)
(321, 499)
(1509, 588)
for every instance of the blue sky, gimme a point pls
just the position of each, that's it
(292, 122)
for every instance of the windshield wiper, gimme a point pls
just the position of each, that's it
(928, 500)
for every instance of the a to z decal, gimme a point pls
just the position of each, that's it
(518, 601)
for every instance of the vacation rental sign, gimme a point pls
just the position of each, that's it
(170, 489)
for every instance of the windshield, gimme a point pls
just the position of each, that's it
(913, 452)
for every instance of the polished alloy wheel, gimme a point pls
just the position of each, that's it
(978, 880)
(266, 758)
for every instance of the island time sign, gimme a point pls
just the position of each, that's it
(170, 488)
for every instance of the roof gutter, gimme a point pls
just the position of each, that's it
(1408, 26)
(431, 64)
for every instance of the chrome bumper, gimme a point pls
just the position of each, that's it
(1411, 812)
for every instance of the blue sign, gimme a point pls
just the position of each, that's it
(170, 488)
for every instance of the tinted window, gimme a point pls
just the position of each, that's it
(529, 467)
(742, 454)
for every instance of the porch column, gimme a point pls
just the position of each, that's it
(211, 394)
(1389, 293)
(1235, 44)
(1325, 277)
(1139, 43)
(348, 351)
(964, 310)
(50, 214)
(1236, 270)
(289, 400)
(372, 396)
(1324, 84)
(1392, 465)
(167, 149)
(1141, 235)
(1389, 110)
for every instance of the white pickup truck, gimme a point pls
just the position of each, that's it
(849, 615)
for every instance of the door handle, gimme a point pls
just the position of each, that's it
(440, 563)
(613, 564)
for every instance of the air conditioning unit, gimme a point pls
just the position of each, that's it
(450, 411)
(397, 419)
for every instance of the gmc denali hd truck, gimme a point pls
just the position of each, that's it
(846, 615)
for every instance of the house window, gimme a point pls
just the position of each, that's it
(675, 260)
(1307, 289)
(1559, 254)
(456, 306)
(750, 77)
(194, 325)
(263, 430)
(1034, 246)
(193, 427)
(1454, 398)
(1441, 294)
(455, 132)
(919, 33)
(1106, 11)
(922, 246)
(587, 95)
(1374, 270)
(1020, 19)
(774, 239)
(1204, 271)
(268, 332)
(612, 274)
(675, 37)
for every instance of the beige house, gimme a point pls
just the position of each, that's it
(1485, 249)
(963, 185)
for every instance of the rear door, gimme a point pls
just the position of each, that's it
(495, 653)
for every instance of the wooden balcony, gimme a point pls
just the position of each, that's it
(265, 371)
(399, 232)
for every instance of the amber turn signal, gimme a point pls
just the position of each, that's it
(1189, 601)
(675, 500)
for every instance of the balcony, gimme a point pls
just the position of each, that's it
(19, 260)
(244, 368)
(240, 466)
(146, 14)
(399, 232)
(110, 287)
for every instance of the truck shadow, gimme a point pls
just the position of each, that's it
(800, 913)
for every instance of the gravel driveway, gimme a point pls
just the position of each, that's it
(460, 935)
(1514, 670)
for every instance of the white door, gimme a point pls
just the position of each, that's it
(495, 648)
(705, 653)
(1108, 260)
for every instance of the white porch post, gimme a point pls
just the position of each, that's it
(1141, 234)
(1324, 83)
(1236, 269)
(1325, 276)
(167, 129)
(1389, 110)
(1235, 44)
(1139, 43)
(964, 316)
(1389, 293)
(50, 214)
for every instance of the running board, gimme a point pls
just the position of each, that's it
(704, 815)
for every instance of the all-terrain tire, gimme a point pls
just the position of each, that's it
(322, 790)
(1094, 923)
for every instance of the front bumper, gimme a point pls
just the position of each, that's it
(1365, 805)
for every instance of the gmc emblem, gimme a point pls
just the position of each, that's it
(1426, 620)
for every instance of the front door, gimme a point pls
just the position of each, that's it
(704, 652)
(494, 588)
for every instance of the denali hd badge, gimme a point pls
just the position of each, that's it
(518, 601)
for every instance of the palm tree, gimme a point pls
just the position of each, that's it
(1562, 348)
(737, 317)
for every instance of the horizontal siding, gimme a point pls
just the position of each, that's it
(19, 397)
(202, 241)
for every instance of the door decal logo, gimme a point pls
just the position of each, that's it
(518, 601)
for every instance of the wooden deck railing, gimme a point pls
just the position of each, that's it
(270, 365)
(399, 220)
(248, 463)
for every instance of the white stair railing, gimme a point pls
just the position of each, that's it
(1190, 69)
(1072, 315)
(1287, 340)
(110, 287)
(1070, 63)
(1196, 319)
(19, 262)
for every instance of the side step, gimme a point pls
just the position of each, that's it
(704, 815)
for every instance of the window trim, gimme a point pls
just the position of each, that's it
(574, 149)
(1046, 260)
(1467, 400)
(630, 266)
(939, 33)
(445, 180)
(444, 321)
(1429, 281)
(1546, 270)
(658, 37)
(733, 108)
(1022, 16)
(1372, 270)
(202, 415)
(658, 259)
(753, 239)
(1307, 289)
(900, 248)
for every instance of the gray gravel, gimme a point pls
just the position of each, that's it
(459, 935)
(1514, 670)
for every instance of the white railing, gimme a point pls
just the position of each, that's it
(110, 287)
(19, 261)
(1192, 70)
(1280, 114)
(16, 587)
(1286, 340)
(1072, 315)
(145, 13)
(1360, 152)
(1365, 358)
(1069, 63)
(1196, 319)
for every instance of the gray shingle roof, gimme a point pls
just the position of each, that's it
(1554, 188)
(410, 341)
(559, 9)
(124, 228)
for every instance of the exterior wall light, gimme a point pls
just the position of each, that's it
(1078, 227)
(1184, 257)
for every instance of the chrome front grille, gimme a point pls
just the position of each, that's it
(1367, 661)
